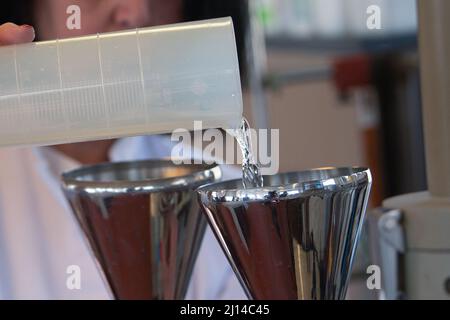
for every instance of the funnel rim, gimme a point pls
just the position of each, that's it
(197, 175)
(338, 181)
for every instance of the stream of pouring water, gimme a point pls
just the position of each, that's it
(251, 175)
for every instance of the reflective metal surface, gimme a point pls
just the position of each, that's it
(143, 223)
(296, 237)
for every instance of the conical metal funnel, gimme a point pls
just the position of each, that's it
(296, 237)
(143, 223)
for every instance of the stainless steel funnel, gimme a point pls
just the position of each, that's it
(296, 237)
(143, 223)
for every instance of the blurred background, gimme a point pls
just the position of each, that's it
(340, 93)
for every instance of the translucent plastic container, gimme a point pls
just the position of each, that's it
(141, 81)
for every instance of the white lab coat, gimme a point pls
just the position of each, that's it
(40, 238)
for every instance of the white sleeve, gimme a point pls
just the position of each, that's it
(212, 277)
(231, 172)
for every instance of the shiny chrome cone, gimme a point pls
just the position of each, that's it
(296, 237)
(143, 223)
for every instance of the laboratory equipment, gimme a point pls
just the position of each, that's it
(142, 222)
(294, 238)
(126, 83)
(413, 234)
